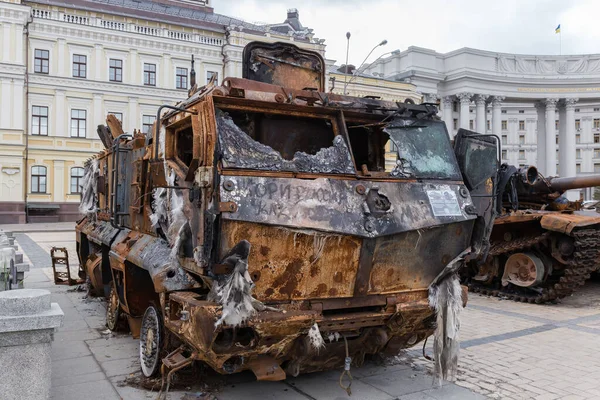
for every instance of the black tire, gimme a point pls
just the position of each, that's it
(113, 309)
(151, 342)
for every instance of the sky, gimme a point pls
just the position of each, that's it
(508, 26)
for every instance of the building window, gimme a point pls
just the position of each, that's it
(597, 109)
(521, 125)
(147, 122)
(521, 154)
(455, 123)
(210, 74)
(455, 106)
(578, 138)
(39, 120)
(115, 70)
(504, 125)
(521, 139)
(577, 110)
(596, 138)
(78, 123)
(471, 124)
(578, 153)
(504, 155)
(79, 66)
(118, 115)
(596, 123)
(578, 168)
(42, 61)
(76, 180)
(596, 153)
(521, 111)
(556, 124)
(578, 124)
(489, 125)
(38, 179)
(596, 167)
(556, 141)
(503, 112)
(504, 139)
(150, 74)
(181, 77)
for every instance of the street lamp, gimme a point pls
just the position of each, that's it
(382, 43)
(346, 66)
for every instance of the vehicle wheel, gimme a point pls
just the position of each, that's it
(113, 309)
(151, 336)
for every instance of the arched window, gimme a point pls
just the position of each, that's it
(38, 179)
(76, 179)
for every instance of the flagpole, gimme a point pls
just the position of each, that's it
(560, 39)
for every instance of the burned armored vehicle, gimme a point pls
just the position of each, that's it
(543, 246)
(257, 226)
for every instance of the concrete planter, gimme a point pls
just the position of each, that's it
(27, 324)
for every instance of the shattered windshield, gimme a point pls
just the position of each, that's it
(261, 141)
(420, 149)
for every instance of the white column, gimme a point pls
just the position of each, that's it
(61, 58)
(134, 79)
(6, 104)
(100, 64)
(541, 138)
(18, 102)
(550, 137)
(133, 116)
(465, 102)
(497, 115)
(98, 116)
(60, 116)
(228, 68)
(20, 50)
(167, 80)
(567, 153)
(6, 39)
(447, 115)
(58, 191)
(480, 117)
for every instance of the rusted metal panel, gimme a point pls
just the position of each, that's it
(565, 223)
(333, 205)
(287, 264)
(411, 260)
(285, 65)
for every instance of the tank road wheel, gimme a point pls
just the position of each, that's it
(523, 269)
(151, 341)
(113, 309)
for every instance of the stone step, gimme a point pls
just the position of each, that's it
(18, 257)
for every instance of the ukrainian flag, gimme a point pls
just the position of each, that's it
(557, 30)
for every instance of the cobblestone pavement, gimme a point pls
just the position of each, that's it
(509, 351)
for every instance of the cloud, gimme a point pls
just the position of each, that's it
(511, 26)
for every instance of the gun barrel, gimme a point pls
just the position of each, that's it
(575, 182)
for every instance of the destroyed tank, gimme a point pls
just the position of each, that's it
(256, 226)
(543, 246)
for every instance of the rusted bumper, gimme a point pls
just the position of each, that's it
(280, 338)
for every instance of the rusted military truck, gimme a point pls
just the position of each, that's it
(257, 227)
(543, 246)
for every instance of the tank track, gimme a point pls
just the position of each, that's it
(586, 259)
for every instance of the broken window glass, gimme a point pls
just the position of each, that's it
(261, 141)
(421, 149)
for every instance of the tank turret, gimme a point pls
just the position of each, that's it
(526, 188)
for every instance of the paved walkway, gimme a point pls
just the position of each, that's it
(509, 351)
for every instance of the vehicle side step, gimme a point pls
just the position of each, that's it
(266, 368)
(177, 360)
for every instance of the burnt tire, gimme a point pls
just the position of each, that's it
(151, 342)
(113, 310)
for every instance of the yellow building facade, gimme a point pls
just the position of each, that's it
(64, 68)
